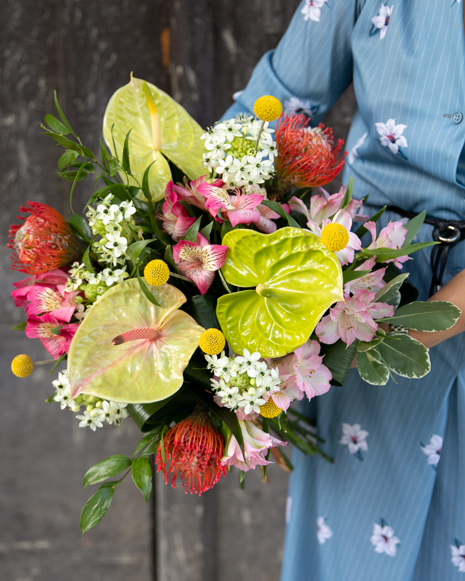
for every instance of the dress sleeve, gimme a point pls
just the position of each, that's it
(312, 63)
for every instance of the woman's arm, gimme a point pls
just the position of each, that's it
(454, 292)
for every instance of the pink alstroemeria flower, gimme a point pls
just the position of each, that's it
(321, 207)
(265, 222)
(256, 444)
(353, 319)
(199, 260)
(194, 192)
(346, 255)
(23, 287)
(238, 209)
(59, 303)
(307, 371)
(175, 218)
(391, 236)
(40, 327)
(371, 282)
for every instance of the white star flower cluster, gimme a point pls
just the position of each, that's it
(97, 411)
(241, 383)
(94, 284)
(114, 223)
(230, 151)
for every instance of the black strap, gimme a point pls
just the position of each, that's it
(448, 233)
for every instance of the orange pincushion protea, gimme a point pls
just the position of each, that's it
(306, 156)
(44, 242)
(193, 450)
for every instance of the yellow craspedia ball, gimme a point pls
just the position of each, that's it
(212, 341)
(22, 366)
(156, 272)
(334, 237)
(270, 409)
(267, 108)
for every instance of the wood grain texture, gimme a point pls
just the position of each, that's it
(200, 52)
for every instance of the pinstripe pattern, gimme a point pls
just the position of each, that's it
(415, 76)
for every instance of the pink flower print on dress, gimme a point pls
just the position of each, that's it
(355, 439)
(381, 22)
(458, 555)
(199, 260)
(323, 531)
(433, 450)
(353, 319)
(384, 540)
(391, 137)
(312, 9)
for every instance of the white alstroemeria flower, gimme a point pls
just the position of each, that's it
(458, 553)
(354, 438)
(93, 421)
(381, 21)
(251, 401)
(230, 396)
(312, 9)
(112, 412)
(62, 382)
(323, 532)
(117, 244)
(295, 105)
(109, 214)
(127, 209)
(249, 361)
(272, 381)
(63, 397)
(391, 135)
(384, 540)
(433, 450)
(111, 277)
(353, 153)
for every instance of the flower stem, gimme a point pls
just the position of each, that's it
(262, 125)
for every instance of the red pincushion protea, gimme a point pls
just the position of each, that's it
(44, 242)
(306, 156)
(193, 450)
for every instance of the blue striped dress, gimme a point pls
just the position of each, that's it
(392, 506)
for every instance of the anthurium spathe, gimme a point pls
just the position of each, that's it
(295, 278)
(161, 129)
(127, 349)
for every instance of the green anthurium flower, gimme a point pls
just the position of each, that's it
(296, 279)
(161, 129)
(129, 350)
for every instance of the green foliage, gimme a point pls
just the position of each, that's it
(404, 355)
(429, 316)
(141, 472)
(108, 468)
(371, 367)
(97, 505)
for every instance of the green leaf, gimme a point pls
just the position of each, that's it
(371, 367)
(125, 161)
(141, 473)
(146, 440)
(152, 448)
(72, 176)
(62, 115)
(76, 180)
(57, 362)
(80, 225)
(162, 130)
(146, 291)
(348, 194)
(133, 250)
(146, 183)
(350, 275)
(413, 227)
(276, 207)
(362, 347)
(207, 231)
(428, 316)
(225, 228)
(406, 356)
(203, 309)
(383, 254)
(20, 326)
(191, 234)
(390, 289)
(338, 358)
(104, 155)
(134, 371)
(86, 260)
(97, 505)
(296, 278)
(65, 142)
(362, 230)
(56, 330)
(56, 125)
(141, 413)
(168, 256)
(51, 399)
(108, 468)
(67, 158)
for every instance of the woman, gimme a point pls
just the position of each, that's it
(387, 509)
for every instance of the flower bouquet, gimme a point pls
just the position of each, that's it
(207, 285)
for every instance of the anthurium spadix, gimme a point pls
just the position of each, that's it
(160, 128)
(129, 350)
(295, 280)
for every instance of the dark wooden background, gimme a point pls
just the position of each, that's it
(199, 51)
